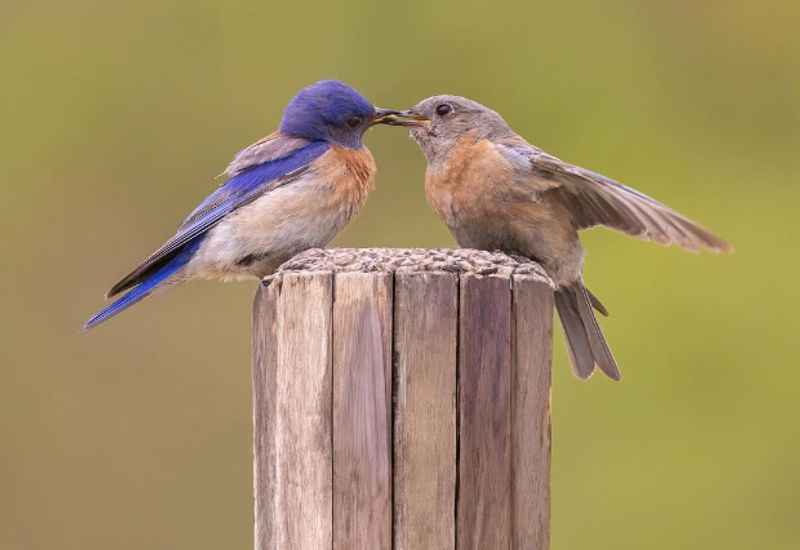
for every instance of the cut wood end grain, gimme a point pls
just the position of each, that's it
(448, 260)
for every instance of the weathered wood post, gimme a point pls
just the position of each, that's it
(401, 401)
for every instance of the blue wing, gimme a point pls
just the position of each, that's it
(265, 165)
(272, 162)
(147, 285)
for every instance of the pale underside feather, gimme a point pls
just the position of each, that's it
(272, 162)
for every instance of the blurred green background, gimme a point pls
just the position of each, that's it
(116, 116)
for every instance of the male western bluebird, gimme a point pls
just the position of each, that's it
(495, 191)
(292, 190)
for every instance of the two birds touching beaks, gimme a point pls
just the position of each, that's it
(298, 187)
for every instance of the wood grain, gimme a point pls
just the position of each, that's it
(401, 401)
(362, 393)
(301, 435)
(484, 387)
(264, 368)
(415, 260)
(533, 328)
(426, 310)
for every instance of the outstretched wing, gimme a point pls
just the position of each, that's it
(594, 199)
(267, 164)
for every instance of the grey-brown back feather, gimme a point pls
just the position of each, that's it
(266, 149)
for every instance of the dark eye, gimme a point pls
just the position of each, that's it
(443, 109)
(354, 121)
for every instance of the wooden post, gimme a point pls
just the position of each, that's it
(401, 400)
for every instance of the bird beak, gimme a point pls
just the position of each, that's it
(383, 116)
(399, 118)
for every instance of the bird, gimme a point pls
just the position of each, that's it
(496, 191)
(293, 190)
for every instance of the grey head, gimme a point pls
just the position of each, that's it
(437, 123)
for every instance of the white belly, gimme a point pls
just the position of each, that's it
(257, 238)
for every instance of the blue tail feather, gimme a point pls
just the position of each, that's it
(145, 287)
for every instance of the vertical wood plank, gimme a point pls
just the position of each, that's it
(463, 459)
(264, 368)
(362, 346)
(484, 468)
(426, 312)
(302, 439)
(533, 328)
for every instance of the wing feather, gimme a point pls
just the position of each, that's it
(594, 199)
(273, 162)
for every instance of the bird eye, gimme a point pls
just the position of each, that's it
(443, 109)
(354, 121)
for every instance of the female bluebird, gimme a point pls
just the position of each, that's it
(294, 189)
(495, 191)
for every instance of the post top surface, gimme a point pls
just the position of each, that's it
(414, 260)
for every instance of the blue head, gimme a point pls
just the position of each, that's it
(332, 111)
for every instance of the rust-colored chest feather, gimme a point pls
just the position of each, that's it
(488, 205)
(350, 173)
(465, 184)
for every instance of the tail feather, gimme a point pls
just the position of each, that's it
(580, 351)
(144, 289)
(587, 345)
(598, 305)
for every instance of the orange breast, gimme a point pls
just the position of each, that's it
(349, 175)
(465, 184)
(351, 172)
